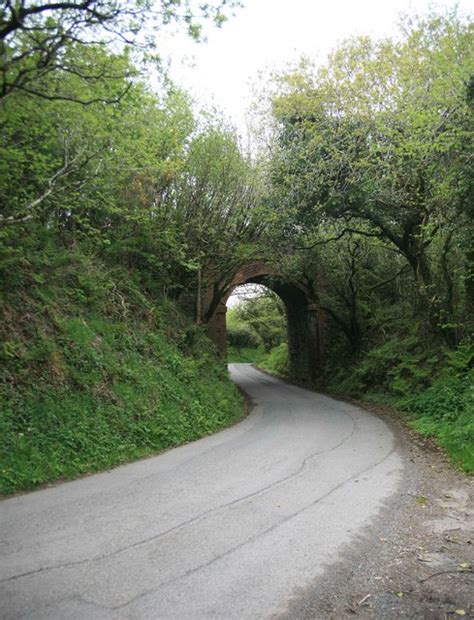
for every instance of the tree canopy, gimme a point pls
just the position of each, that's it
(42, 43)
(376, 145)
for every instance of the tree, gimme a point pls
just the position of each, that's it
(54, 39)
(97, 175)
(374, 141)
(53, 151)
(140, 179)
(264, 316)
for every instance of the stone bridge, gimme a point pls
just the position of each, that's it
(305, 321)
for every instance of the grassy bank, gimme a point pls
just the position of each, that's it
(95, 373)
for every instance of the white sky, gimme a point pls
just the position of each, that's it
(243, 292)
(271, 33)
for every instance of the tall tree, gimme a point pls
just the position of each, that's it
(374, 142)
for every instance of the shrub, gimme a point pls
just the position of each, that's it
(277, 360)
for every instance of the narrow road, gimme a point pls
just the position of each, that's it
(230, 526)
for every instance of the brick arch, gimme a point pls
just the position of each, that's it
(305, 322)
(255, 273)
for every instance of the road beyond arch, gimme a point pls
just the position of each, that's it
(231, 526)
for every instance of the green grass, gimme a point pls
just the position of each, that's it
(93, 380)
(250, 355)
(445, 410)
(274, 361)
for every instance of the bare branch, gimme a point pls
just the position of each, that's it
(64, 171)
(84, 102)
(380, 284)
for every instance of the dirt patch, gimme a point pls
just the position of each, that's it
(416, 560)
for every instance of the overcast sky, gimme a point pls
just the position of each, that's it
(272, 32)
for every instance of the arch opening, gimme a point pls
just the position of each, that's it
(303, 318)
(256, 328)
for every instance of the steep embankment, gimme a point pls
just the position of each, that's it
(430, 385)
(95, 373)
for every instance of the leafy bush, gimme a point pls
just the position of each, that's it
(257, 322)
(277, 360)
(241, 337)
(445, 409)
(434, 385)
(249, 355)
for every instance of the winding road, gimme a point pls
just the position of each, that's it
(231, 526)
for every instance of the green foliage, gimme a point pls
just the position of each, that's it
(48, 42)
(249, 355)
(147, 184)
(94, 374)
(257, 321)
(240, 334)
(372, 149)
(434, 385)
(108, 212)
(372, 182)
(276, 361)
(445, 409)
(241, 337)
(256, 333)
(113, 211)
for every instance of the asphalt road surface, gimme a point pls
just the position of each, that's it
(231, 526)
